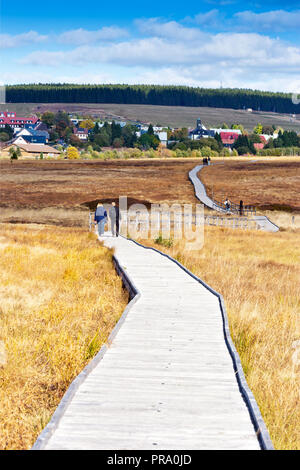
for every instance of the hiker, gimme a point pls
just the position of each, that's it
(208, 160)
(227, 204)
(241, 208)
(100, 218)
(114, 215)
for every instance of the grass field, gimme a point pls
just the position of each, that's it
(62, 191)
(258, 275)
(59, 299)
(266, 185)
(174, 116)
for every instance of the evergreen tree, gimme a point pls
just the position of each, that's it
(8, 130)
(219, 140)
(152, 94)
(150, 130)
(116, 131)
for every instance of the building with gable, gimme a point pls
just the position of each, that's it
(200, 131)
(14, 121)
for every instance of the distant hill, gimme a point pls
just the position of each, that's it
(233, 98)
(173, 116)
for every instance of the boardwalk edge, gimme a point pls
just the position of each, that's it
(134, 294)
(252, 406)
(48, 431)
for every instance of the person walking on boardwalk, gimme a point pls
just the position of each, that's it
(241, 208)
(100, 218)
(227, 204)
(114, 215)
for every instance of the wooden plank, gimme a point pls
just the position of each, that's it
(167, 380)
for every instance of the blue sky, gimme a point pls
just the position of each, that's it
(209, 43)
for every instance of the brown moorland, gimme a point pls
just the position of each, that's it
(60, 192)
(267, 185)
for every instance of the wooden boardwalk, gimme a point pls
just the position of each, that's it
(167, 380)
(263, 222)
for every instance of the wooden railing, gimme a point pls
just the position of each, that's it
(231, 222)
(235, 208)
(214, 220)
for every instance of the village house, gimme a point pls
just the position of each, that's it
(31, 136)
(74, 121)
(263, 141)
(121, 123)
(161, 135)
(15, 121)
(31, 150)
(228, 136)
(81, 133)
(40, 126)
(200, 131)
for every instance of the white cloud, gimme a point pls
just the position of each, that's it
(276, 20)
(224, 49)
(83, 36)
(168, 30)
(245, 21)
(209, 19)
(168, 52)
(32, 37)
(74, 37)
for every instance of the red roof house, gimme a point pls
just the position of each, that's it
(260, 145)
(228, 138)
(14, 121)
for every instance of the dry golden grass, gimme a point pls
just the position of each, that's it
(258, 274)
(284, 220)
(59, 299)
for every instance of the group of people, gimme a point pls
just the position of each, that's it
(101, 218)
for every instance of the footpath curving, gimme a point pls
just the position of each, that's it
(169, 376)
(262, 221)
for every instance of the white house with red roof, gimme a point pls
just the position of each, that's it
(263, 141)
(81, 133)
(229, 138)
(14, 121)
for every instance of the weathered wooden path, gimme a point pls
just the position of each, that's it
(263, 222)
(170, 377)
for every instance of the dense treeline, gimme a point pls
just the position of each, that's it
(152, 94)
